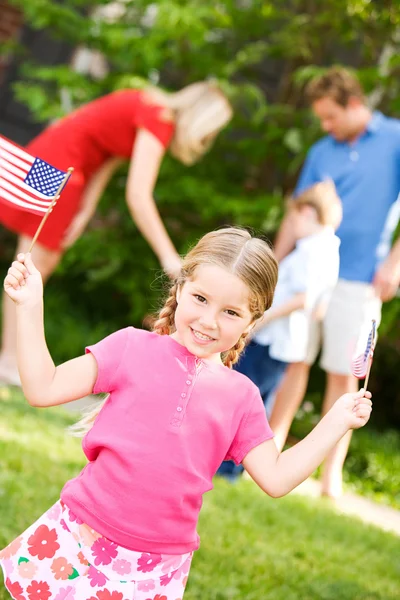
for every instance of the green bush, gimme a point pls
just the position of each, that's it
(262, 53)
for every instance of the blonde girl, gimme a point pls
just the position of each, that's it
(125, 527)
(138, 125)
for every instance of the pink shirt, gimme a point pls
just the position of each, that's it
(169, 422)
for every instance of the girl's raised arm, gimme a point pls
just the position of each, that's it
(278, 474)
(43, 383)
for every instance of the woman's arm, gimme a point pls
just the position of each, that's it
(277, 474)
(43, 383)
(143, 172)
(90, 199)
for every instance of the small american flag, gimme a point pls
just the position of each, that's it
(359, 365)
(27, 182)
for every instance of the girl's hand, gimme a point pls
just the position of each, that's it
(23, 282)
(354, 409)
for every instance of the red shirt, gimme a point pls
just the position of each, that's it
(84, 140)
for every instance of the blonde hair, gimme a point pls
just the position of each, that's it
(337, 83)
(249, 258)
(200, 111)
(323, 198)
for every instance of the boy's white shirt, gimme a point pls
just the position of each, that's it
(311, 268)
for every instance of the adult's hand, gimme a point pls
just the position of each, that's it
(172, 266)
(387, 280)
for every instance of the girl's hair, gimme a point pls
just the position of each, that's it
(249, 258)
(323, 198)
(200, 111)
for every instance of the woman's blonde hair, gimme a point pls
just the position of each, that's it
(200, 111)
(232, 248)
(323, 198)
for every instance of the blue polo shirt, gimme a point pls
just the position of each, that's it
(367, 178)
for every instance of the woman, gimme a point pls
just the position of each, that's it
(137, 125)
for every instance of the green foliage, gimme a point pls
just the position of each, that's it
(262, 53)
(372, 467)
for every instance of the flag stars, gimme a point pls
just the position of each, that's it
(44, 178)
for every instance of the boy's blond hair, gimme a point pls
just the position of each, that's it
(323, 198)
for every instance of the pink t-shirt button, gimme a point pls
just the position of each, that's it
(188, 382)
(179, 408)
(183, 395)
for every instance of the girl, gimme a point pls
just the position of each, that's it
(125, 528)
(128, 124)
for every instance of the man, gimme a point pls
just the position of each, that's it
(361, 154)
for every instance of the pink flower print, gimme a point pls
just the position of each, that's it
(15, 589)
(96, 578)
(146, 586)
(43, 543)
(88, 535)
(12, 548)
(27, 569)
(122, 567)
(82, 559)
(54, 512)
(66, 593)
(177, 574)
(61, 568)
(38, 590)
(64, 525)
(104, 551)
(166, 579)
(8, 566)
(158, 597)
(148, 562)
(170, 562)
(184, 569)
(106, 595)
(72, 517)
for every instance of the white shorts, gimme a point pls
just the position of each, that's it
(346, 326)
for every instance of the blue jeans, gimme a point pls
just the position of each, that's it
(266, 372)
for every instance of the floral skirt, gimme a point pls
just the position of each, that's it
(61, 558)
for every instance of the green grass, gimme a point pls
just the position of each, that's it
(372, 467)
(253, 547)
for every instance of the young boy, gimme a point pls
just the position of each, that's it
(306, 278)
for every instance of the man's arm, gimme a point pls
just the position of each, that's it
(387, 278)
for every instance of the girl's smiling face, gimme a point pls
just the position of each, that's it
(213, 312)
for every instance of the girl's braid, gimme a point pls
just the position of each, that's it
(164, 325)
(232, 356)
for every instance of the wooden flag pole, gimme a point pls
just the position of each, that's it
(57, 195)
(370, 358)
(371, 354)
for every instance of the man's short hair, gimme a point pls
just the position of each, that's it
(338, 84)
